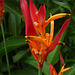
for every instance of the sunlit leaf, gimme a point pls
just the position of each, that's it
(53, 57)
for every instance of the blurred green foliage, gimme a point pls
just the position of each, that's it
(20, 58)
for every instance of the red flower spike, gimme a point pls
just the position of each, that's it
(44, 10)
(41, 15)
(58, 36)
(40, 45)
(33, 11)
(1, 10)
(2, 4)
(30, 30)
(61, 58)
(52, 70)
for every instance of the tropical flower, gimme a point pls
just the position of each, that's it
(1, 9)
(53, 71)
(63, 69)
(40, 43)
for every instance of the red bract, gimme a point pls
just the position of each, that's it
(1, 5)
(1, 9)
(61, 58)
(53, 71)
(42, 43)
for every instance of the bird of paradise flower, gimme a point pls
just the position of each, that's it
(41, 43)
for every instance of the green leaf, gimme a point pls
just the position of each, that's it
(27, 71)
(1, 74)
(63, 4)
(54, 10)
(42, 2)
(13, 9)
(53, 57)
(12, 43)
(31, 61)
(14, 24)
(19, 55)
(71, 33)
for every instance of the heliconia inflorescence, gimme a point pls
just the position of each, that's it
(41, 43)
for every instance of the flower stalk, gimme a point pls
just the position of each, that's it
(39, 71)
(7, 60)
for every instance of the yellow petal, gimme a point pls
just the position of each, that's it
(57, 16)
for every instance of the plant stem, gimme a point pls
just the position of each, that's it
(39, 71)
(5, 49)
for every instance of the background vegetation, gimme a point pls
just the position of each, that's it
(20, 58)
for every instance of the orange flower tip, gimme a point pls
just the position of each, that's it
(27, 37)
(61, 43)
(70, 14)
(27, 40)
(36, 13)
(35, 23)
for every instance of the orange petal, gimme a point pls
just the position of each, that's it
(39, 39)
(57, 38)
(51, 30)
(57, 16)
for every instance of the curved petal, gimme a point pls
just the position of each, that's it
(30, 30)
(33, 10)
(52, 70)
(61, 58)
(41, 14)
(57, 38)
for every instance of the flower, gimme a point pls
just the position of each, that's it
(40, 43)
(53, 71)
(1, 9)
(63, 69)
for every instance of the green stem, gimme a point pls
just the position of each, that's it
(5, 49)
(39, 71)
